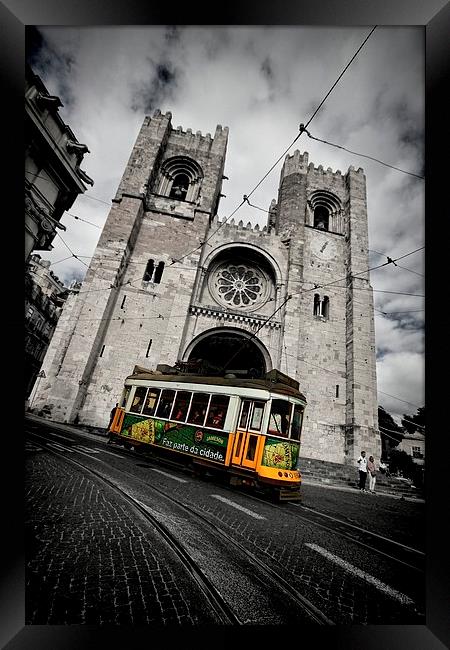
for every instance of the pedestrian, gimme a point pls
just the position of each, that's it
(372, 471)
(111, 418)
(362, 467)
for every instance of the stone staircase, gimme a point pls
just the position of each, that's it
(320, 471)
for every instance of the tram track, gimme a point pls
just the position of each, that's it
(389, 549)
(392, 550)
(266, 577)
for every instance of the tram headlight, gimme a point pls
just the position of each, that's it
(290, 475)
(286, 474)
(280, 473)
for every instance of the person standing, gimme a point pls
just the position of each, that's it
(372, 471)
(362, 467)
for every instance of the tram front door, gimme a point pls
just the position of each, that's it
(248, 437)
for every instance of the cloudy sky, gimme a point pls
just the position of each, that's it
(262, 83)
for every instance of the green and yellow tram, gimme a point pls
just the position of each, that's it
(249, 429)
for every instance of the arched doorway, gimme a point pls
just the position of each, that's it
(229, 351)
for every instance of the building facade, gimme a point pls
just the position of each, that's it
(414, 445)
(44, 298)
(171, 282)
(53, 178)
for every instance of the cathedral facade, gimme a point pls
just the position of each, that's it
(169, 282)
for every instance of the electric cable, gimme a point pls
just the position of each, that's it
(364, 156)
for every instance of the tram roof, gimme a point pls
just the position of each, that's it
(274, 381)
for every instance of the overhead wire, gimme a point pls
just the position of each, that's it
(85, 221)
(338, 146)
(401, 400)
(341, 376)
(71, 251)
(301, 130)
(388, 436)
(81, 195)
(399, 265)
(340, 76)
(290, 296)
(246, 197)
(255, 333)
(415, 423)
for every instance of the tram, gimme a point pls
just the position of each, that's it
(247, 429)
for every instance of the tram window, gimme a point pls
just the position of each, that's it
(125, 396)
(279, 419)
(165, 403)
(138, 399)
(244, 414)
(251, 449)
(258, 410)
(181, 405)
(198, 409)
(238, 444)
(151, 401)
(217, 411)
(297, 422)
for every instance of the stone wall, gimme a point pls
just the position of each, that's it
(119, 319)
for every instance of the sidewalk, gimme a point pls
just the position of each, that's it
(328, 484)
(344, 488)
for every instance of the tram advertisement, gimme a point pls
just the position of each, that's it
(178, 436)
(282, 454)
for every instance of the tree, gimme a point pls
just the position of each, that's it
(402, 462)
(412, 423)
(390, 432)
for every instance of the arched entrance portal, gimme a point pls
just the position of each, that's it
(227, 351)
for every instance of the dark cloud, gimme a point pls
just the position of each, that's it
(164, 74)
(266, 68)
(261, 82)
(161, 88)
(48, 63)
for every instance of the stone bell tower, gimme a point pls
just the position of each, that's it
(137, 290)
(329, 322)
(171, 282)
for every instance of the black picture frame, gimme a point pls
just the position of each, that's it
(434, 17)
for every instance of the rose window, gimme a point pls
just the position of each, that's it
(239, 286)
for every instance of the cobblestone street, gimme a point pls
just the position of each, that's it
(89, 559)
(93, 558)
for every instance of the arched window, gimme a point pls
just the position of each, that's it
(324, 211)
(159, 272)
(149, 271)
(180, 178)
(180, 187)
(316, 310)
(321, 218)
(321, 306)
(153, 274)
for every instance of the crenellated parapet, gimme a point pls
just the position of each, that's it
(327, 175)
(199, 142)
(170, 280)
(236, 226)
(297, 163)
